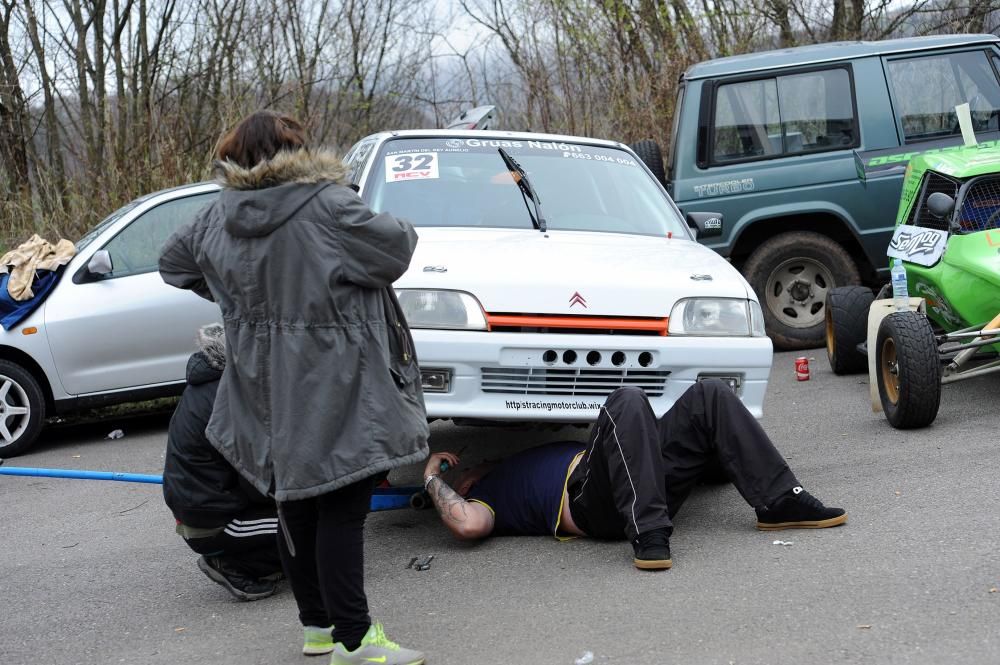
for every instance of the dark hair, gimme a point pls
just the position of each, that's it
(260, 136)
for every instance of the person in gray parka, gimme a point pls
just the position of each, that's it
(321, 394)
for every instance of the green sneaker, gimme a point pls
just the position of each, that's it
(318, 641)
(377, 649)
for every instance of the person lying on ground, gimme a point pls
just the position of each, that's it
(220, 516)
(632, 477)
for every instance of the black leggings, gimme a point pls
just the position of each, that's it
(327, 572)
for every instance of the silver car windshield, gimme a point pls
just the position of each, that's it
(463, 182)
(82, 243)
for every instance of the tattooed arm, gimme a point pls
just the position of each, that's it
(467, 520)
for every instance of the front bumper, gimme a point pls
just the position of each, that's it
(532, 377)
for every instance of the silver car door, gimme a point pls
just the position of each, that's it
(128, 329)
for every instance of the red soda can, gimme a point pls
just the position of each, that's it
(802, 368)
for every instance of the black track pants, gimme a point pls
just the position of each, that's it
(327, 572)
(637, 470)
(247, 544)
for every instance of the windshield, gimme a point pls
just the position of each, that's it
(464, 182)
(82, 243)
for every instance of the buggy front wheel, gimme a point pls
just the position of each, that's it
(908, 370)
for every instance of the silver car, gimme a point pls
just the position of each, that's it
(110, 331)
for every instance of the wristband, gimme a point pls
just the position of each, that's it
(428, 479)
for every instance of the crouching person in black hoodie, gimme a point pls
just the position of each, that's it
(219, 514)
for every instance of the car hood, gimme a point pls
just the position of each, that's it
(526, 271)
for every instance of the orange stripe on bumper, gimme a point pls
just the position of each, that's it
(659, 326)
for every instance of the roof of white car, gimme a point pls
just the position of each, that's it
(491, 134)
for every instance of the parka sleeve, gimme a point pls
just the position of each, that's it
(178, 266)
(376, 249)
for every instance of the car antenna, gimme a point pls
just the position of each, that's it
(527, 191)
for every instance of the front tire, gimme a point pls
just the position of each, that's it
(847, 327)
(22, 409)
(908, 370)
(791, 274)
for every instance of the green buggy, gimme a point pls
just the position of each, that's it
(948, 238)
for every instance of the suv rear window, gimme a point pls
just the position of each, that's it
(927, 89)
(784, 115)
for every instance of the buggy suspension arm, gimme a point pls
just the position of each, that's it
(991, 330)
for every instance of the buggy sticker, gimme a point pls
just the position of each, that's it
(937, 304)
(917, 245)
(411, 166)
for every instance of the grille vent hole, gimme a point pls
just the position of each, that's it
(569, 357)
(593, 358)
(549, 357)
(617, 358)
(645, 358)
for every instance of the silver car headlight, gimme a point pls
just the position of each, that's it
(724, 317)
(451, 310)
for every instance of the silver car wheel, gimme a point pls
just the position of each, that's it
(15, 411)
(796, 292)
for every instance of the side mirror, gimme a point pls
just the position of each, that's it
(941, 205)
(100, 264)
(705, 224)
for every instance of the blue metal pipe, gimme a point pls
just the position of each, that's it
(80, 474)
(384, 498)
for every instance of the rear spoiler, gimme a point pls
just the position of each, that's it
(481, 117)
(893, 161)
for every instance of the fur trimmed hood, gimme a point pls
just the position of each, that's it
(212, 343)
(208, 363)
(257, 201)
(299, 166)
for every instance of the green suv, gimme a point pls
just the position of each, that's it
(803, 152)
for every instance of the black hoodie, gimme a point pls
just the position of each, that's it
(200, 487)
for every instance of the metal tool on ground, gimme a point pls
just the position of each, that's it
(425, 564)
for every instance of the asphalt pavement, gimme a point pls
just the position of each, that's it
(92, 571)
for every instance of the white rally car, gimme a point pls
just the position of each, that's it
(511, 322)
(552, 270)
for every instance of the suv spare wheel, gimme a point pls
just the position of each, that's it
(651, 155)
(792, 274)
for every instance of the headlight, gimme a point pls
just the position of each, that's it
(452, 310)
(726, 317)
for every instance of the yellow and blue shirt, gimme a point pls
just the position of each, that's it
(525, 491)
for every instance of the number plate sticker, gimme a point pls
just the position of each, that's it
(411, 166)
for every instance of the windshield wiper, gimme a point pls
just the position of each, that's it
(527, 191)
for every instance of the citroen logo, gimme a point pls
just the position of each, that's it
(577, 299)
